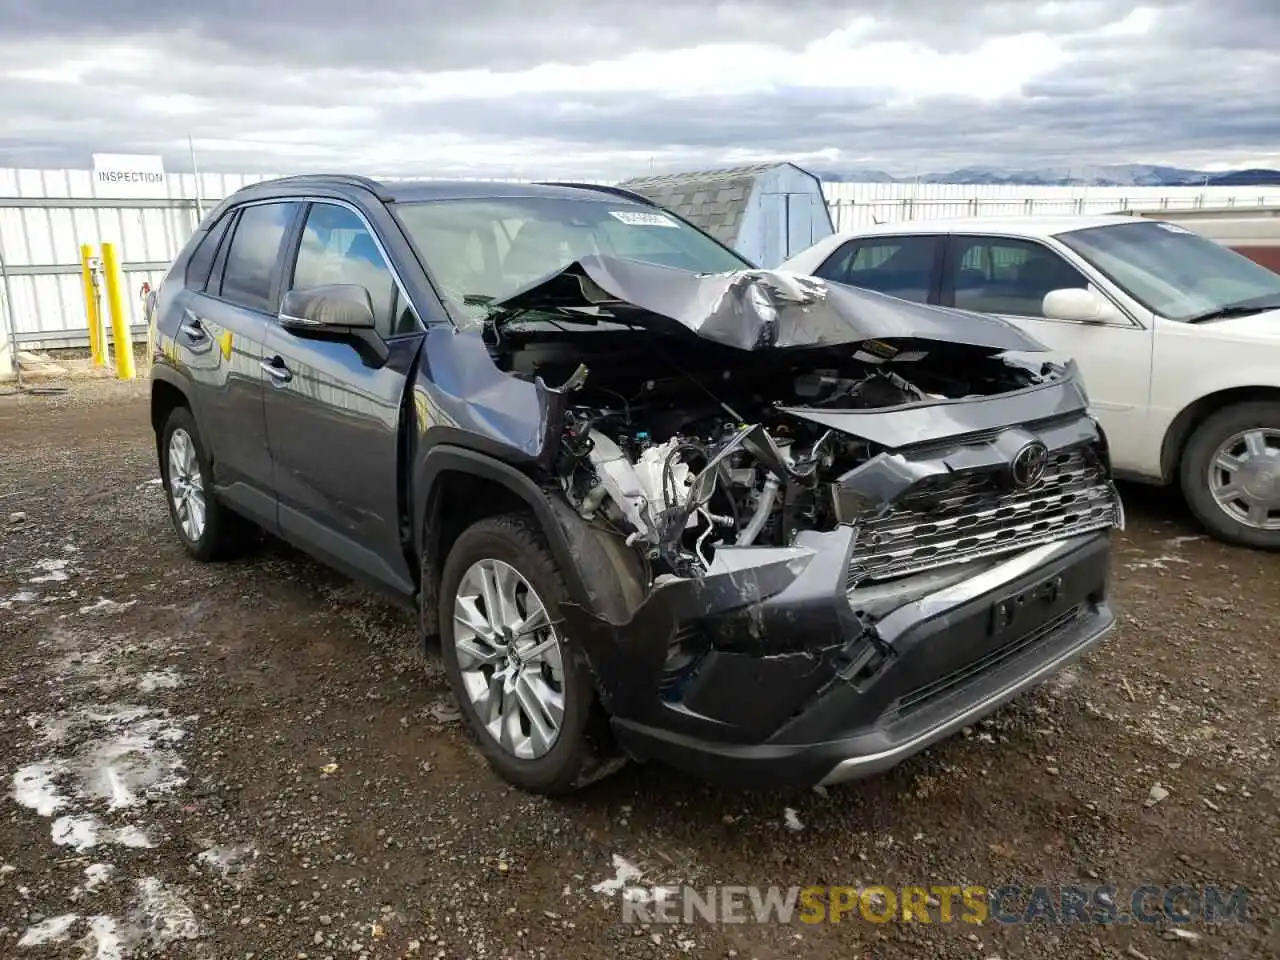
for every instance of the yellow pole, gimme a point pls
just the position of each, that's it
(120, 334)
(96, 346)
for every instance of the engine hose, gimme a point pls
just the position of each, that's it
(763, 508)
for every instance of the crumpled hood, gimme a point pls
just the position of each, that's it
(762, 309)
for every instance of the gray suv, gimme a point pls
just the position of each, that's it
(649, 501)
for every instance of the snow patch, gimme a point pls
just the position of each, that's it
(125, 757)
(53, 930)
(51, 571)
(105, 606)
(166, 679)
(96, 874)
(162, 913)
(1156, 563)
(159, 917)
(35, 789)
(86, 831)
(624, 873)
(792, 819)
(103, 941)
(229, 859)
(22, 596)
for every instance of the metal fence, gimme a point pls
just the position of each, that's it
(855, 205)
(45, 215)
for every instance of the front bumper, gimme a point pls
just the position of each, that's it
(783, 683)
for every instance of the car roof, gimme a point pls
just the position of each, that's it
(1028, 226)
(408, 190)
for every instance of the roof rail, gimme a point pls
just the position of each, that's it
(347, 179)
(601, 188)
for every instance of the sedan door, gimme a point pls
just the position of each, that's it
(1009, 277)
(220, 334)
(334, 407)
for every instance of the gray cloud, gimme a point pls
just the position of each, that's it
(295, 86)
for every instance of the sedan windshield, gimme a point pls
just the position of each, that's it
(1176, 273)
(482, 250)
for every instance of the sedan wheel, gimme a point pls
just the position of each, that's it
(1230, 474)
(509, 658)
(186, 485)
(1244, 478)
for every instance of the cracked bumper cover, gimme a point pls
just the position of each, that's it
(785, 683)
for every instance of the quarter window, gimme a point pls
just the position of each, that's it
(1005, 276)
(201, 261)
(898, 266)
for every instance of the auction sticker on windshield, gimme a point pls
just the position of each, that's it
(641, 218)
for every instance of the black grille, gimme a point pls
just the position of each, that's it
(956, 519)
(928, 693)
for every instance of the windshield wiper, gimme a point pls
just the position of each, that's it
(1243, 308)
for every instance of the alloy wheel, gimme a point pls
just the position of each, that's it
(509, 658)
(186, 485)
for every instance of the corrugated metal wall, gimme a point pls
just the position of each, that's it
(46, 214)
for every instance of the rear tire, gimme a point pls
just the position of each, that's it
(1230, 474)
(208, 529)
(533, 712)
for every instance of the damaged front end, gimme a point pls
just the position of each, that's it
(835, 525)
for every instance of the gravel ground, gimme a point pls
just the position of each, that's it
(255, 760)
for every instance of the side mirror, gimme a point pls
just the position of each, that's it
(336, 307)
(337, 310)
(1079, 305)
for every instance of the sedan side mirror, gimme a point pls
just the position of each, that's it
(336, 306)
(1079, 305)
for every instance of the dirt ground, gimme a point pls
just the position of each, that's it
(255, 760)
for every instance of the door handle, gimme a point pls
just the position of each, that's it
(192, 327)
(276, 369)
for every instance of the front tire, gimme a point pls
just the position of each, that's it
(527, 696)
(208, 529)
(1230, 474)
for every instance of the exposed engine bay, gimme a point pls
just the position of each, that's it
(680, 446)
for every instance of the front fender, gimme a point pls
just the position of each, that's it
(598, 572)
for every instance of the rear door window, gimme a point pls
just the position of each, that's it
(903, 267)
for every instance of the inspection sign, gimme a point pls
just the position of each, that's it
(129, 175)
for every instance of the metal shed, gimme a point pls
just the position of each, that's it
(767, 212)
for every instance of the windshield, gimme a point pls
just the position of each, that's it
(1174, 272)
(483, 250)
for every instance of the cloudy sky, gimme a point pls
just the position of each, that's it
(610, 88)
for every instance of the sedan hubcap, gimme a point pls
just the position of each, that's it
(509, 657)
(186, 485)
(1244, 478)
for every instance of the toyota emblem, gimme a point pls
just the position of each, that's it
(1029, 463)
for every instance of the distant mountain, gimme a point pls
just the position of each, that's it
(1113, 175)
(855, 175)
(1246, 178)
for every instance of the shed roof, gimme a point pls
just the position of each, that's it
(714, 200)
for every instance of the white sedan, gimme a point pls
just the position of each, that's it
(1177, 337)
